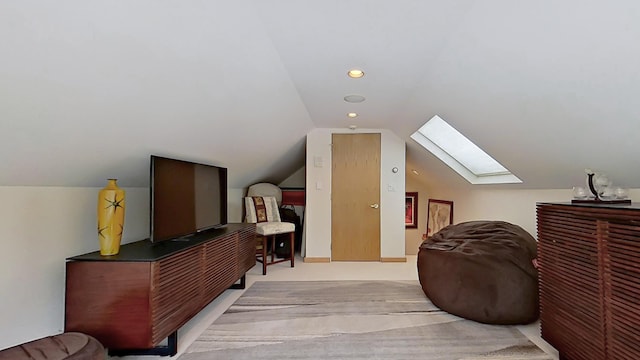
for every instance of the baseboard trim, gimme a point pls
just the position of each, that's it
(393, 259)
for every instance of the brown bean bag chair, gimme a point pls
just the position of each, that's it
(483, 271)
(66, 346)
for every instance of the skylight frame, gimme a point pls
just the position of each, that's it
(461, 145)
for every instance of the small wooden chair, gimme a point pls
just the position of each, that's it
(264, 212)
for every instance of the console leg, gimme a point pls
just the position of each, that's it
(264, 255)
(292, 253)
(169, 350)
(241, 285)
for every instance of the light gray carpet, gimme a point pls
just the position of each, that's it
(351, 320)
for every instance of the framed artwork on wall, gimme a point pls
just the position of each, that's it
(439, 215)
(411, 210)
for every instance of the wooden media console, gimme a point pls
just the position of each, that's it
(133, 301)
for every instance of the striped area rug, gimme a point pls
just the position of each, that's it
(351, 320)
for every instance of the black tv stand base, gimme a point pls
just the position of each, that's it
(169, 350)
(241, 285)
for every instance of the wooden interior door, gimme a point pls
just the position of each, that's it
(355, 197)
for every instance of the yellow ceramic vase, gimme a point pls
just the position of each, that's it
(110, 218)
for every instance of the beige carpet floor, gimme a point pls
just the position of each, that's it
(351, 320)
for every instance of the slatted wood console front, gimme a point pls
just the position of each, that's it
(138, 298)
(589, 257)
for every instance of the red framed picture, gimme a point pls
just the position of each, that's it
(411, 210)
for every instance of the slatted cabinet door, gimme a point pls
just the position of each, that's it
(246, 249)
(571, 292)
(109, 301)
(623, 295)
(176, 293)
(220, 269)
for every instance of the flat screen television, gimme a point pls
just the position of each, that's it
(186, 198)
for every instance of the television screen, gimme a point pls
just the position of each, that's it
(186, 198)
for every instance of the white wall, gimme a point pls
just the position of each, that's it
(295, 180)
(235, 205)
(413, 237)
(484, 203)
(514, 206)
(40, 228)
(318, 191)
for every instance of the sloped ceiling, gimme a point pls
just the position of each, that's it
(89, 89)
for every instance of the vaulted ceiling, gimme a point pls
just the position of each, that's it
(89, 89)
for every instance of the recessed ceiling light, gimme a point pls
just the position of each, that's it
(355, 73)
(354, 98)
(352, 115)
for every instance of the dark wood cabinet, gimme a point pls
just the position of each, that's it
(138, 298)
(590, 279)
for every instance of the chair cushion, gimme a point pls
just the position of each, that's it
(273, 228)
(267, 209)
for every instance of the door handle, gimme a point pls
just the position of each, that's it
(375, 206)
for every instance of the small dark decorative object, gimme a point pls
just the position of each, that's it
(601, 188)
(591, 186)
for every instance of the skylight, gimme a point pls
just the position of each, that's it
(462, 155)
